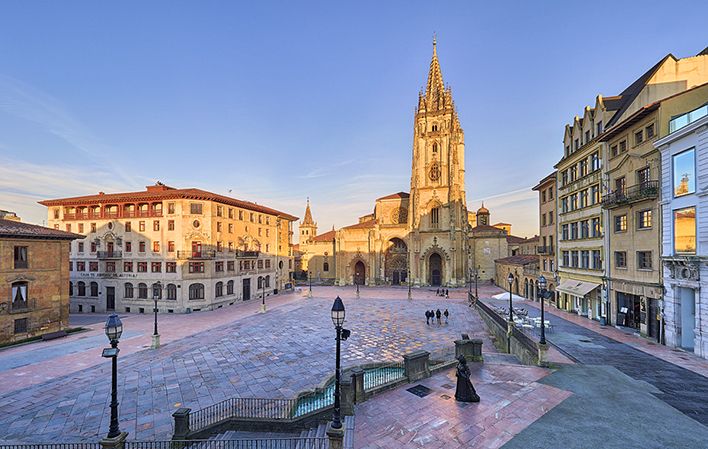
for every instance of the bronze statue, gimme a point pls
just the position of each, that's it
(465, 391)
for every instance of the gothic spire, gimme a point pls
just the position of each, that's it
(435, 87)
(308, 214)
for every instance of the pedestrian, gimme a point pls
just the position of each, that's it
(447, 314)
(432, 316)
(447, 293)
(437, 292)
(438, 315)
(427, 317)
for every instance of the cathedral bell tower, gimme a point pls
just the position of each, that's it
(438, 208)
(308, 227)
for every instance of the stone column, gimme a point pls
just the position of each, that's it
(416, 365)
(358, 385)
(181, 417)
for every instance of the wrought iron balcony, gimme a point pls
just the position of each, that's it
(545, 250)
(204, 254)
(639, 192)
(109, 254)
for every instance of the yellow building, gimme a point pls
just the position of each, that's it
(547, 226)
(195, 250)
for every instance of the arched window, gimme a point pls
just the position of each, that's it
(196, 291)
(94, 289)
(19, 295)
(435, 217)
(171, 291)
(435, 128)
(325, 266)
(267, 281)
(156, 291)
(71, 289)
(230, 288)
(128, 290)
(260, 282)
(142, 291)
(435, 148)
(219, 290)
(82, 288)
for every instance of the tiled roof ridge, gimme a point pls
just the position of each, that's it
(18, 229)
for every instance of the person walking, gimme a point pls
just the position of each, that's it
(447, 314)
(438, 315)
(437, 292)
(447, 293)
(427, 317)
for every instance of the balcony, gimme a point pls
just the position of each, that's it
(545, 250)
(639, 192)
(247, 254)
(196, 255)
(109, 254)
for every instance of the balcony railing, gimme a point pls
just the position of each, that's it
(204, 254)
(247, 254)
(546, 250)
(645, 190)
(109, 254)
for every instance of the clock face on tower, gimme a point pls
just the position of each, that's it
(434, 172)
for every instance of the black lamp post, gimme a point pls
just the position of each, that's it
(309, 278)
(263, 286)
(542, 294)
(510, 278)
(476, 280)
(338, 314)
(356, 281)
(113, 329)
(156, 294)
(410, 295)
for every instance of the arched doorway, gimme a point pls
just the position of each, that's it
(396, 264)
(359, 273)
(435, 269)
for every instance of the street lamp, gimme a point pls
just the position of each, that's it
(338, 314)
(542, 293)
(410, 295)
(356, 281)
(476, 279)
(156, 294)
(113, 330)
(309, 277)
(510, 278)
(263, 304)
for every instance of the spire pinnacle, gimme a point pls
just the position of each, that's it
(435, 41)
(435, 88)
(308, 214)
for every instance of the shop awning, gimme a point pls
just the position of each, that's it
(577, 288)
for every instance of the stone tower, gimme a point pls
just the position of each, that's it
(438, 217)
(308, 227)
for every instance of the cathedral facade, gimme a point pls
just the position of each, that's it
(418, 236)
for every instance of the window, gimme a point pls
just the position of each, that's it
(156, 291)
(218, 226)
(219, 289)
(196, 291)
(623, 146)
(128, 293)
(643, 176)
(195, 208)
(543, 219)
(110, 267)
(564, 177)
(156, 267)
(621, 223)
(564, 205)
(599, 128)
(93, 227)
(644, 260)
(587, 136)
(68, 227)
(584, 229)
(550, 218)
(81, 228)
(93, 247)
(20, 258)
(585, 259)
(614, 150)
(170, 225)
(573, 201)
(267, 281)
(435, 128)
(639, 137)
(93, 266)
(127, 267)
(435, 217)
(577, 143)
(21, 326)
(94, 289)
(128, 226)
(260, 282)
(573, 231)
(240, 215)
(574, 259)
(141, 226)
(156, 246)
(564, 231)
(156, 225)
(142, 267)
(80, 266)
(141, 247)
(550, 193)
(128, 247)
(685, 231)
(620, 259)
(596, 260)
(230, 288)
(583, 167)
(19, 295)
(543, 196)
(251, 217)
(196, 267)
(595, 161)
(325, 266)
(170, 246)
(644, 219)
(594, 194)
(219, 266)
(56, 213)
(584, 198)
(82, 288)
(649, 130)
(81, 247)
(230, 265)
(219, 211)
(596, 231)
(142, 291)
(170, 208)
(619, 185)
(684, 173)
(171, 291)
(573, 173)
(170, 267)
(231, 213)
(260, 264)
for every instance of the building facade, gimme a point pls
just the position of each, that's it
(547, 243)
(34, 280)
(192, 249)
(684, 203)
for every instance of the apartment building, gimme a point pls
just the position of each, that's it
(547, 231)
(192, 249)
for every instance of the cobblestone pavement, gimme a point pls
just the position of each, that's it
(211, 356)
(512, 399)
(682, 388)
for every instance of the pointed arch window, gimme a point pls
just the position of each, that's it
(435, 147)
(435, 217)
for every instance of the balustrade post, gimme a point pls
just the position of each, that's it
(346, 390)
(358, 384)
(181, 417)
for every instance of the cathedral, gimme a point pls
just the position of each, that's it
(418, 236)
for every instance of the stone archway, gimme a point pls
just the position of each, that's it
(435, 269)
(359, 273)
(396, 262)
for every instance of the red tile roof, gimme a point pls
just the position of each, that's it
(160, 193)
(326, 237)
(17, 229)
(523, 259)
(482, 228)
(514, 239)
(394, 196)
(365, 225)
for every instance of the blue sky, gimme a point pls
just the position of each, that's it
(278, 101)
